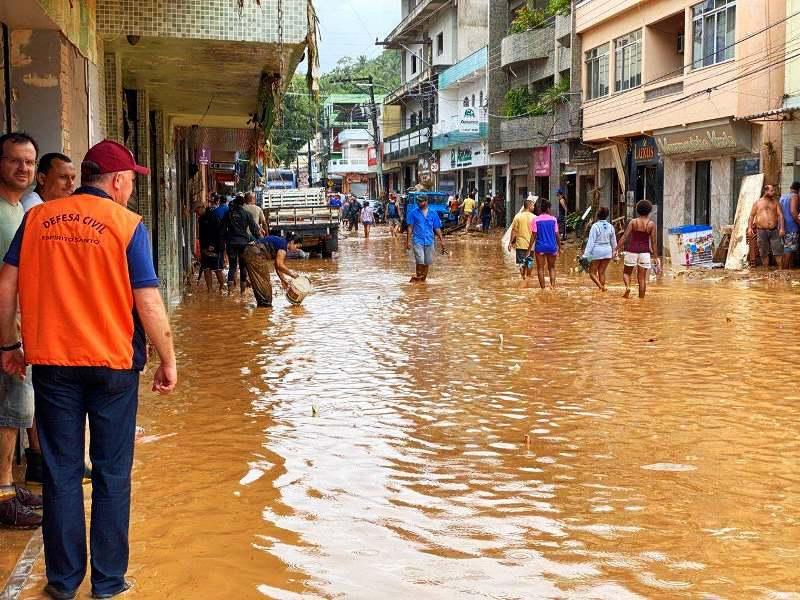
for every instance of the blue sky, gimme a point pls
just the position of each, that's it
(349, 27)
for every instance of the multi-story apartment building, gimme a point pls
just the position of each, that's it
(178, 87)
(534, 101)
(674, 93)
(431, 36)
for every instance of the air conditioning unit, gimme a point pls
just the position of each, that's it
(681, 39)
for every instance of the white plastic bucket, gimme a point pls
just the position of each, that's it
(299, 288)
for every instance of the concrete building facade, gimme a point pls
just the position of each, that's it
(540, 138)
(156, 77)
(672, 93)
(432, 36)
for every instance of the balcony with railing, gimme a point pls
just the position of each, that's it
(535, 44)
(423, 11)
(348, 165)
(407, 143)
(450, 131)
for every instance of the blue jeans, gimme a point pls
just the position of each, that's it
(64, 397)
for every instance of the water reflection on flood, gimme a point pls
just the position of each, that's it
(382, 441)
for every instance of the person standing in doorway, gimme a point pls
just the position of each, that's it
(790, 204)
(55, 178)
(499, 210)
(600, 248)
(640, 243)
(563, 211)
(545, 242)
(521, 238)
(18, 153)
(423, 225)
(88, 370)
(767, 223)
(367, 218)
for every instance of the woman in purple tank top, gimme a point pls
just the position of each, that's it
(640, 236)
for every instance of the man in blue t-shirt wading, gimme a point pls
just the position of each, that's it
(422, 225)
(257, 258)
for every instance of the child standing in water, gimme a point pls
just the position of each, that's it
(640, 236)
(545, 242)
(600, 248)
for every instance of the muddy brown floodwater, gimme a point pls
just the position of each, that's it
(382, 442)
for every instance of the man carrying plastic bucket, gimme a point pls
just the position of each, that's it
(423, 224)
(257, 258)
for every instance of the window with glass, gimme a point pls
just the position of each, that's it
(628, 61)
(481, 98)
(440, 44)
(597, 72)
(713, 32)
(413, 64)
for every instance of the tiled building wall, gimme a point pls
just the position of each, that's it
(142, 127)
(204, 19)
(113, 95)
(169, 257)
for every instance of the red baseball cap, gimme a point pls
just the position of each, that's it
(112, 157)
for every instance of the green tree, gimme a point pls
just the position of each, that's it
(301, 117)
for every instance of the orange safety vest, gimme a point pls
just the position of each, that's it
(75, 294)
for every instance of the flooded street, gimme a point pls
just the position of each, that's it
(472, 439)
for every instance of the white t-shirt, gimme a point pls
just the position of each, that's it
(30, 200)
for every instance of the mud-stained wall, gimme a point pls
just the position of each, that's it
(35, 91)
(77, 20)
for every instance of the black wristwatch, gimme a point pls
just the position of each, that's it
(11, 348)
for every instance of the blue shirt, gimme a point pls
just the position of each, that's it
(140, 259)
(424, 225)
(221, 211)
(275, 243)
(790, 225)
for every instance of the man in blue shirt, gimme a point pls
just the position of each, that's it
(257, 258)
(423, 224)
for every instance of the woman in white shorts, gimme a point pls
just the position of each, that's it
(600, 248)
(639, 241)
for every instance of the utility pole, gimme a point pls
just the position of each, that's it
(376, 133)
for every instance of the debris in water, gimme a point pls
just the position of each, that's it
(651, 340)
(514, 368)
(728, 320)
(314, 411)
(528, 440)
(501, 341)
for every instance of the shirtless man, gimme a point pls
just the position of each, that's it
(766, 222)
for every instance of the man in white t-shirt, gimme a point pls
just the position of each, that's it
(55, 178)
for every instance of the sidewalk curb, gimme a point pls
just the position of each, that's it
(22, 570)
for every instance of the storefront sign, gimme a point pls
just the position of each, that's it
(466, 156)
(372, 157)
(223, 166)
(469, 122)
(645, 151)
(204, 155)
(729, 138)
(579, 154)
(541, 161)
